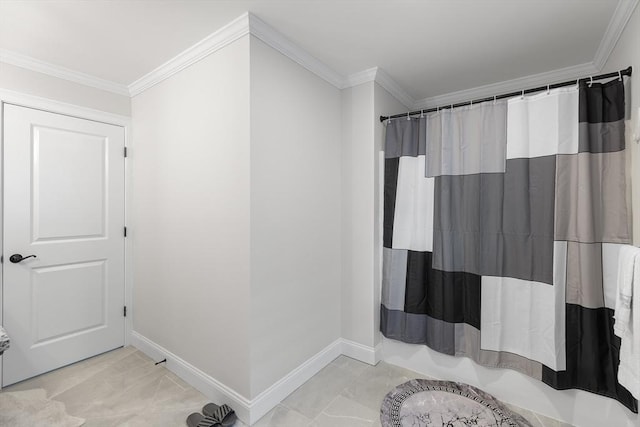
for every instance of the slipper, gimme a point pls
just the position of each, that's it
(222, 414)
(199, 420)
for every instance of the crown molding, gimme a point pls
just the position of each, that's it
(616, 26)
(378, 75)
(281, 43)
(385, 80)
(231, 32)
(23, 61)
(251, 24)
(247, 23)
(514, 85)
(364, 76)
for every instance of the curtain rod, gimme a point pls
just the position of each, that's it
(625, 72)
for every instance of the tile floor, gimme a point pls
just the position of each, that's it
(124, 388)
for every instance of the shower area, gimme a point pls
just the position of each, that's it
(503, 227)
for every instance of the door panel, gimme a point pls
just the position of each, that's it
(68, 171)
(86, 282)
(64, 203)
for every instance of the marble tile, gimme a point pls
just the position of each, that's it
(281, 416)
(344, 412)
(160, 417)
(528, 415)
(414, 375)
(113, 421)
(120, 388)
(125, 388)
(97, 394)
(137, 399)
(371, 386)
(550, 422)
(537, 420)
(354, 366)
(173, 377)
(60, 380)
(110, 357)
(314, 395)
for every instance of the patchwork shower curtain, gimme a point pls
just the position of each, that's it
(502, 227)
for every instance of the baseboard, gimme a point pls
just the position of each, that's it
(405, 355)
(207, 385)
(363, 353)
(269, 398)
(249, 411)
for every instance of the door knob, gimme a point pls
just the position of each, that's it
(16, 258)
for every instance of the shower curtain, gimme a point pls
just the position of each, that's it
(502, 227)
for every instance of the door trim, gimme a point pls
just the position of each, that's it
(39, 103)
(57, 107)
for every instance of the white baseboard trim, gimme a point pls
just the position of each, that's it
(249, 411)
(207, 385)
(269, 398)
(363, 353)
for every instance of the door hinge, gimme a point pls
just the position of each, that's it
(125, 311)
(125, 151)
(125, 231)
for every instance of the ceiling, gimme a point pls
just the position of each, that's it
(428, 47)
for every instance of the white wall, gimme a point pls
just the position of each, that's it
(362, 179)
(191, 215)
(358, 211)
(295, 215)
(33, 83)
(625, 53)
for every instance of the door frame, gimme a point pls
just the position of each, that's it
(58, 107)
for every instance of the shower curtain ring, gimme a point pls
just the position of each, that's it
(619, 75)
(408, 118)
(590, 80)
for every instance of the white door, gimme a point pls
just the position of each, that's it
(63, 203)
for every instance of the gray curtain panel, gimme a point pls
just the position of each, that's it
(503, 223)
(467, 140)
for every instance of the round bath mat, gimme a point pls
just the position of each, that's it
(445, 403)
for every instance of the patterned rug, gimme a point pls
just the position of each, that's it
(444, 403)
